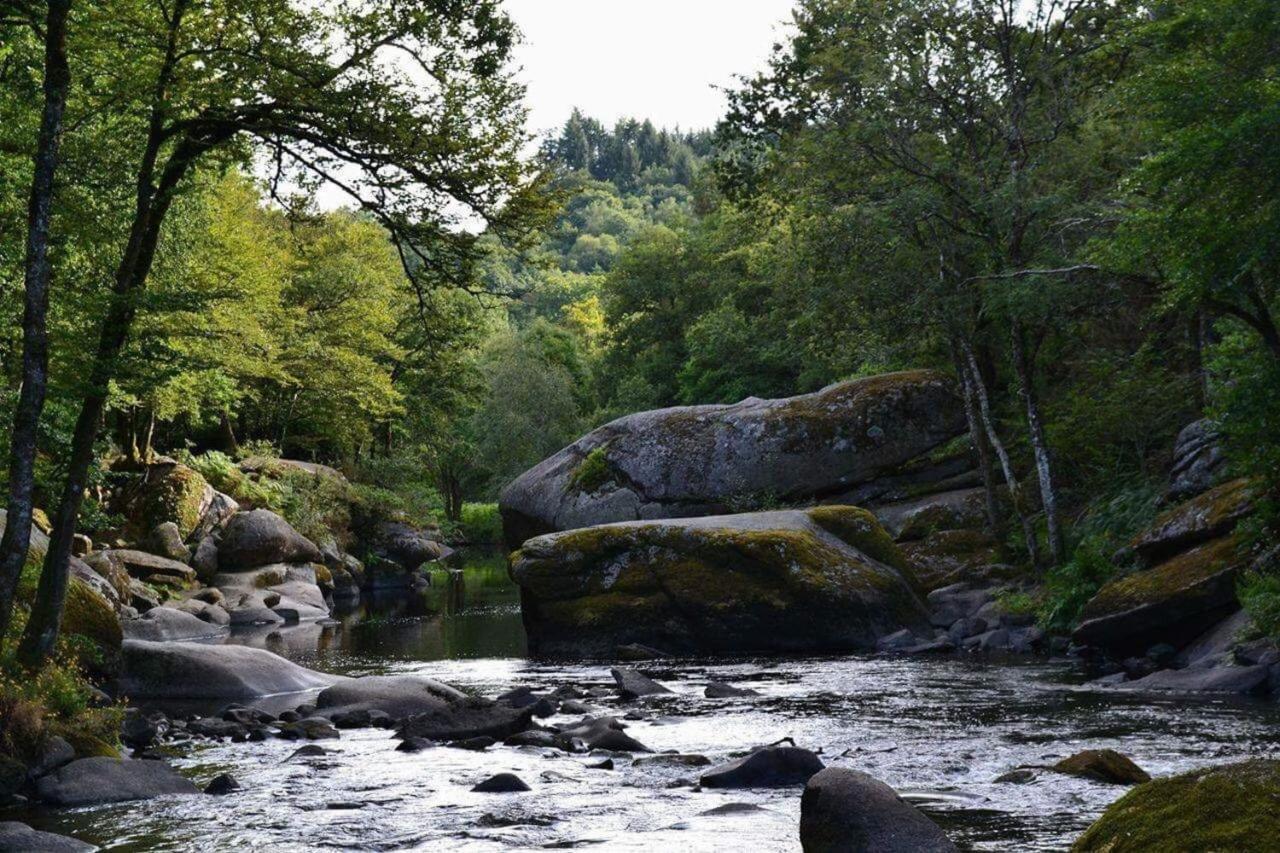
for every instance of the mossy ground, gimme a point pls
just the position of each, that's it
(1235, 807)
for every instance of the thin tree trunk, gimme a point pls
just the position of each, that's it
(1039, 446)
(981, 446)
(1015, 491)
(229, 442)
(35, 340)
(148, 451)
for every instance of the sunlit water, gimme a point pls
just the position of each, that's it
(938, 730)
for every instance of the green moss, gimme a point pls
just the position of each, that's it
(860, 528)
(1182, 572)
(593, 471)
(175, 495)
(89, 615)
(1234, 807)
(1103, 765)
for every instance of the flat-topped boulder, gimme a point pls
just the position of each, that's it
(1174, 603)
(199, 671)
(394, 695)
(696, 460)
(168, 624)
(151, 568)
(825, 579)
(1207, 516)
(89, 781)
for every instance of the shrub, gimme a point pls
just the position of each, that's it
(482, 524)
(1259, 593)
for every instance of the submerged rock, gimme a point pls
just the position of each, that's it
(844, 811)
(599, 733)
(728, 584)
(720, 690)
(1103, 765)
(503, 783)
(221, 785)
(88, 781)
(770, 767)
(695, 460)
(199, 671)
(464, 718)
(1231, 807)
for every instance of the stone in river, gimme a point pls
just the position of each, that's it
(770, 767)
(845, 811)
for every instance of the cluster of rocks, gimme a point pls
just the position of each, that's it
(974, 618)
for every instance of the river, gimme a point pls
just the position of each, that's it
(940, 730)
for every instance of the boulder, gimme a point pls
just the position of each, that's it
(155, 671)
(221, 785)
(844, 811)
(1238, 680)
(271, 594)
(87, 613)
(503, 783)
(729, 584)
(165, 540)
(408, 546)
(961, 509)
(166, 491)
(395, 695)
(1198, 461)
(166, 624)
(1229, 807)
(215, 614)
(216, 516)
(697, 460)
(90, 781)
(947, 557)
(720, 690)
(151, 568)
(1211, 515)
(633, 684)
(111, 571)
(20, 838)
(469, 717)
(1103, 765)
(259, 538)
(272, 467)
(770, 767)
(1173, 603)
(599, 733)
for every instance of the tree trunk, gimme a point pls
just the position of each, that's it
(35, 341)
(982, 447)
(1039, 446)
(1015, 491)
(229, 442)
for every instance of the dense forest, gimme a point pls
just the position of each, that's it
(228, 232)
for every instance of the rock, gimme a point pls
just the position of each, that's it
(54, 753)
(600, 733)
(396, 695)
(20, 838)
(1229, 807)
(87, 613)
(219, 512)
(1240, 680)
(728, 584)
(308, 728)
(138, 731)
(955, 602)
(503, 783)
(671, 759)
(165, 624)
(464, 718)
(769, 767)
(534, 737)
(270, 466)
(221, 785)
(638, 652)
(633, 684)
(260, 538)
(214, 614)
(962, 509)
(1020, 776)
(693, 460)
(1102, 765)
(13, 776)
(1198, 461)
(1211, 515)
(414, 744)
(311, 750)
(205, 559)
(408, 546)
(151, 568)
(141, 597)
(166, 541)
(289, 591)
(844, 811)
(166, 491)
(1173, 603)
(475, 744)
(198, 671)
(89, 781)
(1216, 640)
(112, 572)
(720, 690)
(80, 545)
(897, 641)
(947, 557)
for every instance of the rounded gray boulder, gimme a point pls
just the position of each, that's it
(844, 811)
(259, 538)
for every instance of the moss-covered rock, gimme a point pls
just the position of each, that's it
(959, 509)
(701, 460)
(1103, 765)
(1233, 807)
(1208, 516)
(825, 579)
(954, 556)
(91, 628)
(1173, 603)
(167, 491)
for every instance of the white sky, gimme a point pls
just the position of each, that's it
(656, 59)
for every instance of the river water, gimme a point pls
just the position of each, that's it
(938, 730)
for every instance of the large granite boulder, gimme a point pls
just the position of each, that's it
(166, 491)
(1207, 516)
(1229, 807)
(825, 579)
(769, 767)
(1173, 603)
(20, 838)
(958, 509)
(845, 811)
(408, 546)
(394, 695)
(199, 671)
(149, 568)
(168, 624)
(698, 460)
(272, 594)
(260, 538)
(89, 781)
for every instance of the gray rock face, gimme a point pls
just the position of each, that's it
(166, 624)
(465, 718)
(1198, 461)
(272, 594)
(396, 695)
(695, 460)
(408, 546)
(633, 684)
(844, 811)
(199, 671)
(260, 538)
(220, 510)
(20, 838)
(166, 541)
(88, 781)
(1239, 680)
(152, 568)
(770, 767)
(961, 509)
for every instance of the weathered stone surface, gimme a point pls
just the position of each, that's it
(1231, 807)
(503, 783)
(599, 733)
(823, 579)
(408, 546)
(694, 460)
(220, 510)
(1239, 680)
(844, 811)
(720, 690)
(961, 509)
(165, 491)
(1217, 640)
(111, 571)
(17, 837)
(770, 767)
(1173, 603)
(272, 467)
(89, 614)
(165, 540)
(88, 781)
(152, 568)
(1198, 461)
(1208, 516)
(288, 592)
(1103, 765)
(200, 671)
(396, 695)
(633, 684)
(260, 538)
(166, 624)
(468, 717)
(956, 556)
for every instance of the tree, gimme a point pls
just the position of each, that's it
(35, 343)
(407, 107)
